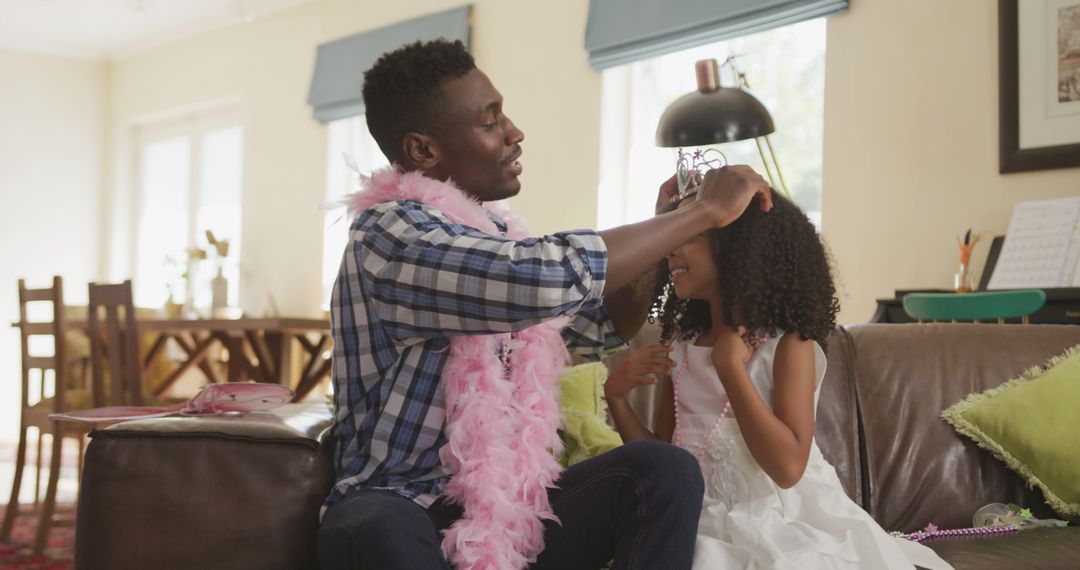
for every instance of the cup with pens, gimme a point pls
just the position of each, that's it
(964, 280)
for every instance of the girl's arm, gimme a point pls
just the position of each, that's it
(780, 438)
(633, 372)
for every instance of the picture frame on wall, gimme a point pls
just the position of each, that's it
(1039, 84)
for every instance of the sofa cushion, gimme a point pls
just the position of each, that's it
(1030, 424)
(920, 471)
(584, 431)
(205, 492)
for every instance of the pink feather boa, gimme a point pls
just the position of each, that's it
(501, 431)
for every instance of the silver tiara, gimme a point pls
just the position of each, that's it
(693, 165)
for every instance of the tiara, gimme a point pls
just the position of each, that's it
(692, 166)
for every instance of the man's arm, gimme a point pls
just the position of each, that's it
(722, 197)
(425, 276)
(628, 306)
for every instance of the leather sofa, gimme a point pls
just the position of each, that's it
(245, 492)
(878, 424)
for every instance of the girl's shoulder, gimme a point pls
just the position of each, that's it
(790, 344)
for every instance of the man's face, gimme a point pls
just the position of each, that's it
(478, 146)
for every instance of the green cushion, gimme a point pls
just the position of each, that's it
(585, 432)
(1030, 423)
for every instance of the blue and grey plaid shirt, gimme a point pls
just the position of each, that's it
(409, 279)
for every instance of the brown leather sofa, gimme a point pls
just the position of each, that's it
(245, 492)
(878, 424)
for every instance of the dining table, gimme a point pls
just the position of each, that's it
(262, 349)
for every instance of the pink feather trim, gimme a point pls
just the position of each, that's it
(501, 431)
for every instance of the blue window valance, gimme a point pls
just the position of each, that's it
(623, 31)
(338, 81)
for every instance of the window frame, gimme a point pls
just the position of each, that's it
(194, 127)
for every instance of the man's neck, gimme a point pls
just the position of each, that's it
(434, 174)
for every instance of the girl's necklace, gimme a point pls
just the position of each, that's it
(754, 340)
(699, 449)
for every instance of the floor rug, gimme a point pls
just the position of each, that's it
(18, 553)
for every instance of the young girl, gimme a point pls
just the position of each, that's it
(747, 310)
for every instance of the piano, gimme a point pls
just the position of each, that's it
(1062, 303)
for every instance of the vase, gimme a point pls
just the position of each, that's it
(172, 308)
(219, 293)
(964, 281)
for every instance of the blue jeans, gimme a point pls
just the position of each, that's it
(638, 504)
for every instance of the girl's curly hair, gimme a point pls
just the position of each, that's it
(775, 273)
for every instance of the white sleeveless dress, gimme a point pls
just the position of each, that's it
(747, 520)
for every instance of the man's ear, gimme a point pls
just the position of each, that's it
(419, 151)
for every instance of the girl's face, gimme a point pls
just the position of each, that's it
(693, 269)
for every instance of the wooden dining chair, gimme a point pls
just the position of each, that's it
(978, 306)
(114, 342)
(46, 387)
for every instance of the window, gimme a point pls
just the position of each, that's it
(346, 137)
(189, 178)
(786, 70)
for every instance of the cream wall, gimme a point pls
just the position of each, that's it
(51, 131)
(532, 51)
(911, 146)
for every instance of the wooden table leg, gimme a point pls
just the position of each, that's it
(196, 353)
(262, 352)
(279, 347)
(316, 367)
(240, 368)
(155, 349)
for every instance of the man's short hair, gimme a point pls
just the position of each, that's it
(401, 91)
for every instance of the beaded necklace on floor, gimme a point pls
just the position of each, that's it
(932, 531)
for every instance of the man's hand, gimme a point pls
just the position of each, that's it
(669, 192)
(727, 192)
(642, 367)
(722, 197)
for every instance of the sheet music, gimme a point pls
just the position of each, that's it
(1071, 274)
(1041, 247)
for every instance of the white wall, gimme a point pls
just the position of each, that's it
(532, 51)
(911, 146)
(51, 133)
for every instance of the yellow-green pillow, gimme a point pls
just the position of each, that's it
(585, 432)
(1030, 423)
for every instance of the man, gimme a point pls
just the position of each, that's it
(421, 286)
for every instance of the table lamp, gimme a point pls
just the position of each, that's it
(716, 114)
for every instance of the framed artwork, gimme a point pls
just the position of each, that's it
(1039, 89)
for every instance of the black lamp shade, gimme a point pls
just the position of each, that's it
(725, 115)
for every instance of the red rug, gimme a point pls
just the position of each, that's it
(59, 551)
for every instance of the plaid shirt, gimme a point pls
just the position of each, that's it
(409, 279)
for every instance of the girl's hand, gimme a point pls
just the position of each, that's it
(731, 352)
(642, 367)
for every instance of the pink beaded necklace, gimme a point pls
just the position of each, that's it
(725, 413)
(932, 531)
(755, 340)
